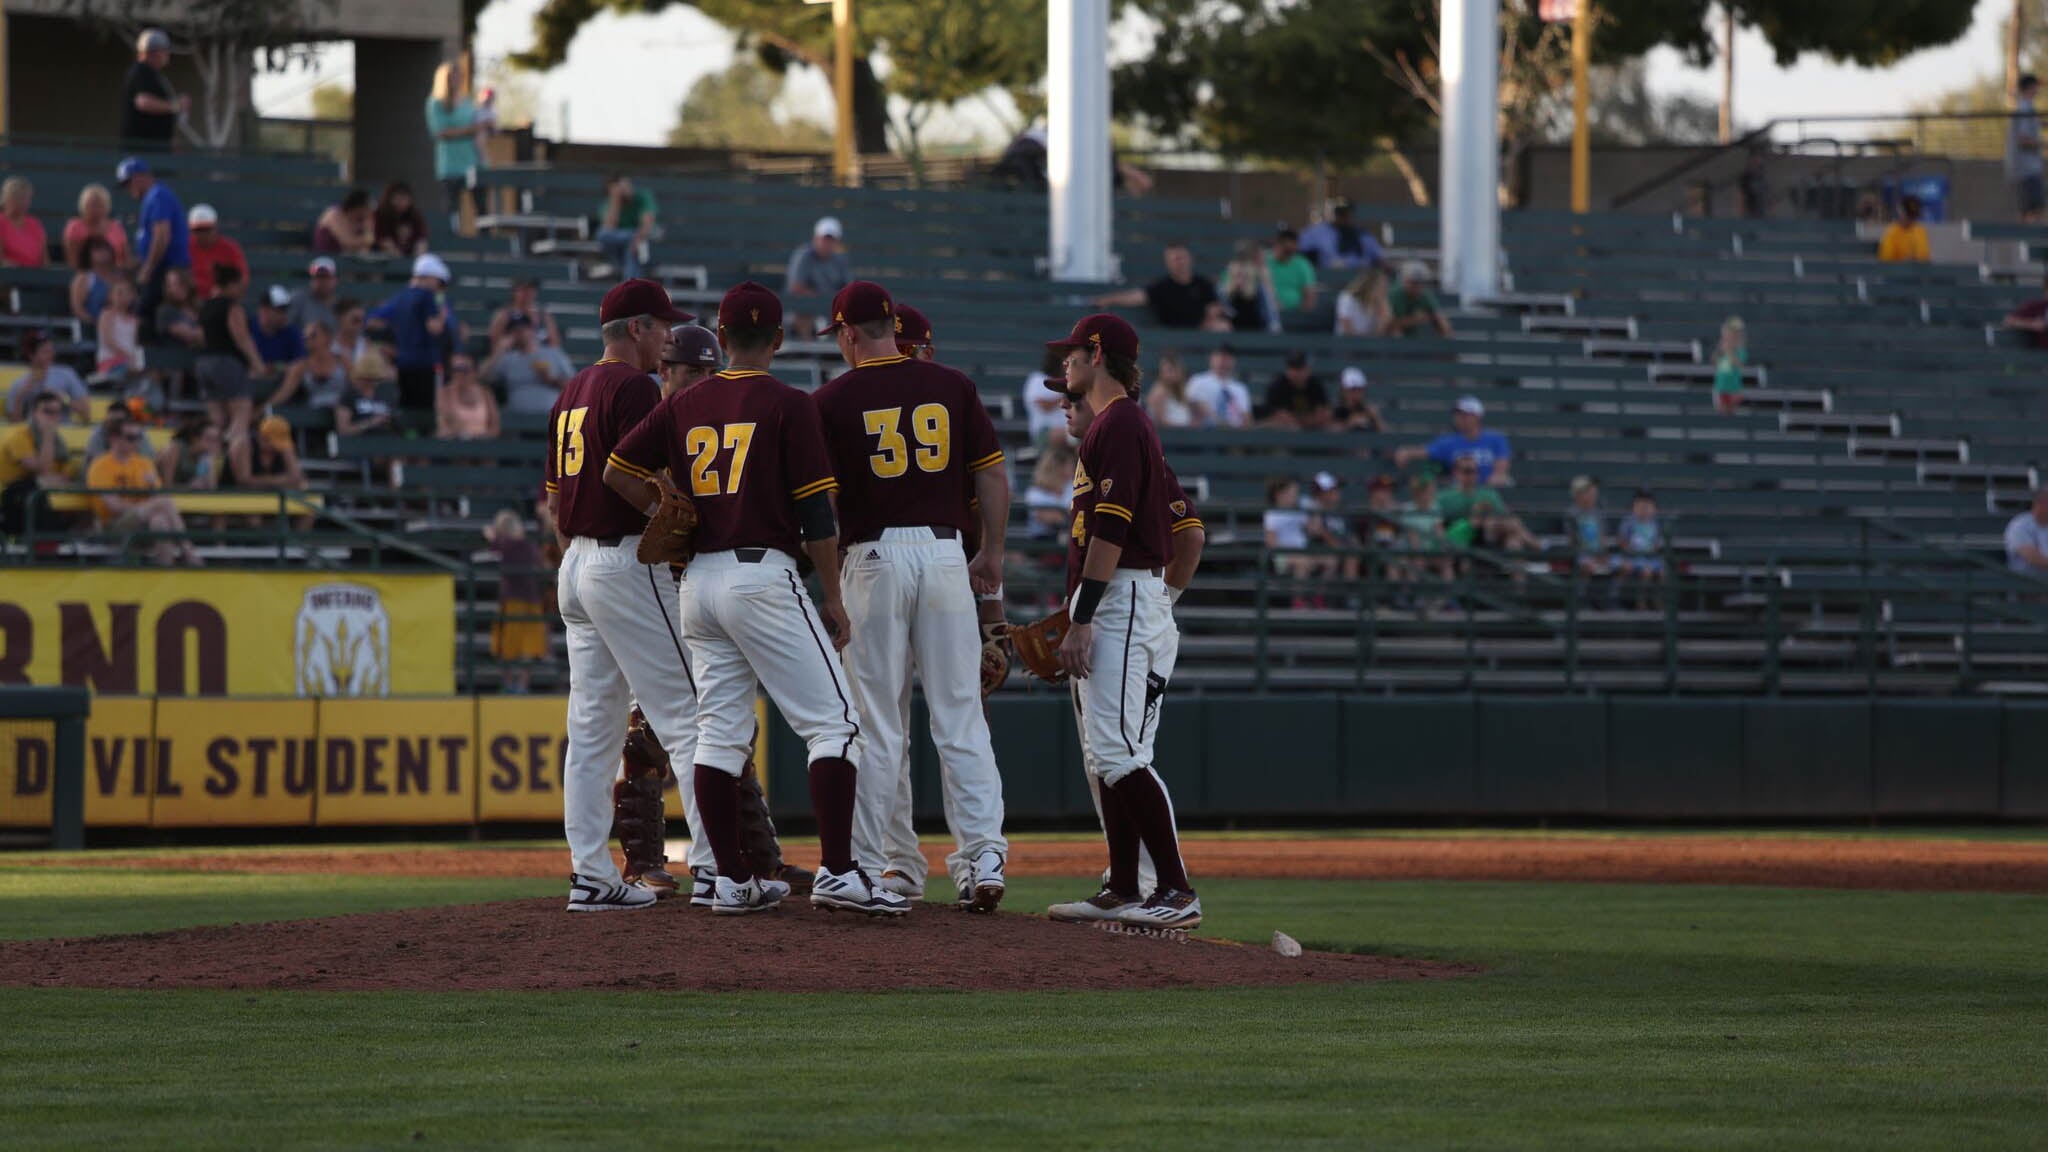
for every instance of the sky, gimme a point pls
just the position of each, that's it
(626, 76)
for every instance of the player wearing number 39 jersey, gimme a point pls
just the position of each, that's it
(749, 452)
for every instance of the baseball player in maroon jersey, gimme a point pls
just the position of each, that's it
(749, 451)
(1120, 648)
(910, 441)
(914, 333)
(624, 639)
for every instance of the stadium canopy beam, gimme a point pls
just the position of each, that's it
(1077, 140)
(1468, 220)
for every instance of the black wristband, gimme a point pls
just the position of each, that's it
(1087, 600)
(814, 517)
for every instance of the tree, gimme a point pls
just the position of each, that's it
(1983, 135)
(517, 92)
(1627, 114)
(735, 109)
(943, 54)
(225, 37)
(333, 102)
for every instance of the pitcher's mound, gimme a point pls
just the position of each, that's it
(534, 944)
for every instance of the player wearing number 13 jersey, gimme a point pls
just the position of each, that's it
(911, 443)
(749, 451)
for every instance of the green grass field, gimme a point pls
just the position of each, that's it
(1609, 1017)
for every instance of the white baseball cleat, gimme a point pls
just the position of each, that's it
(1107, 904)
(737, 898)
(587, 895)
(898, 881)
(703, 887)
(988, 881)
(854, 892)
(1168, 908)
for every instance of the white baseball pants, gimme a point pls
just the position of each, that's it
(1116, 709)
(625, 645)
(911, 607)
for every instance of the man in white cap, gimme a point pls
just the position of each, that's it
(817, 269)
(150, 107)
(314, 304)
(209, 248)
(1354, 412)
(418, 321)
(1468, 439)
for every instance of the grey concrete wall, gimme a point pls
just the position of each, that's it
(393, 79)
(64, 79)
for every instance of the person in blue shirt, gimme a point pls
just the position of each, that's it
(1339, 242)
(1469, 439)
(1639, 544)
(418, 321)
(162, 239)
(278, 341)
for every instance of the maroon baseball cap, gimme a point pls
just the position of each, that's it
(750, 305)
(1104, 330)
(860, 302)
(1057, 385)
(640, 297)
(911, 326)
(689, 344)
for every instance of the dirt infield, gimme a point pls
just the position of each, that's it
(1904, 864)
(532, 945)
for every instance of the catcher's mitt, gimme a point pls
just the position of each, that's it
(669, 531)
(1038, 646)
(995, 656)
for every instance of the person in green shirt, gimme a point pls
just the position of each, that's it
(1294, 278)
(625, 224)
(1476, 515)
(1412, 306)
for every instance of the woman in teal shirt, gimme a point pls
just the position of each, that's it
(452, 122)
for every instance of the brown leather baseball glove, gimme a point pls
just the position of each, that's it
(669, 531)
(995, 656)
(1038, 647)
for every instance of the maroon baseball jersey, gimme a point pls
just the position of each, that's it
(746, 447)
(905, 436)
(1122, 491)
(591, 417)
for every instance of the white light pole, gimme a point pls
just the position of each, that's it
(1077, 139)
(1468, 229)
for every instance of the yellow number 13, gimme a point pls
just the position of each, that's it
(931, 424)
(569, 442)
(703, 444)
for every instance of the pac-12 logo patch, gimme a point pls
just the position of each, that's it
(343, 642)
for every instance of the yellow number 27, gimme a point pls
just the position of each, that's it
(931, 424)
(703, 444)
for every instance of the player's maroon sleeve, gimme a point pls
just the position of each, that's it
(644, 449)
(806, 465)
(1181, 512)
(982, 449)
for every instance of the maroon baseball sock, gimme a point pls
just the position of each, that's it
(1123, 843)
(832, 780)
(1145, 799)
(718, 806)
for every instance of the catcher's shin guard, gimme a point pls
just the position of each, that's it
(637, 818)
(758, 841)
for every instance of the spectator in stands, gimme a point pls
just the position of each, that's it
(1296, 397)
(194, 457)
(95, 219)
(1286, 527)
(2032, 317)
(1477, 515)
(314, 304)
(45, 375)
(317, 380)
(1044, 418)
(529, 376)
(23, 243)
(1385, 530)
(372, 403)
(625, 223)
(1339, 242)
(279, 343)
(398, 227)
(1180, 299)
(1219, 398)
(120, 335)
(1752, 191)
(1468, 437)
(1248, 295)
(1354, 412)
(463, 408)
(228, 358)
(1050, 497)
(126, 482)
(1639, 542)
(161, 235)
(1412, 305)
(150, 107)
(1362, 308)
(33, 457)
(1294, 279)
(819, 270)
(1905, 239)
(266, 458)
(93, 282)
(526, 305)
(177, 317)
(1168, 400)
(1423, 524)
(347, 228)
(2026, 538)
(350, 342)
(211, 248)
(117, 420)
(2023, 151)
(418, 320)
(1328, 528)
(1586, 527)
(1731, 359)
(520, 634)
(453, 123)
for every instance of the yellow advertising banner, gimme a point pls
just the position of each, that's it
(120, 761)
(397, 762)
(235, 763)
(129, 632)
(521, 741)
(28, 755)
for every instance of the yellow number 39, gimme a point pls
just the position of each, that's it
(931, 424)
